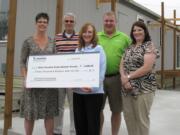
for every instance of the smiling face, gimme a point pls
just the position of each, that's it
(69, 23)
(138, 34)
(109, 24)
(88, 35)
(41, 24)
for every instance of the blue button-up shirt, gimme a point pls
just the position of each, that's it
(102, 70)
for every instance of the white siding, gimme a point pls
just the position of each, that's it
(168, 51)
(86, 11)
(2, 54)
(25, 26)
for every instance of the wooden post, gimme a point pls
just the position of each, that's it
(97, 3)
(174, 50)
(162, 43)
(59, 16)
(113, 5)
(10, 65)
(172, 19)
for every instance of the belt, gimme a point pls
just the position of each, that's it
(111, 75)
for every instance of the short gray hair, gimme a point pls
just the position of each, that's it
(70, 14)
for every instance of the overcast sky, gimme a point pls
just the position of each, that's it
(169, 6)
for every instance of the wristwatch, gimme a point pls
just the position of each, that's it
(129, 77)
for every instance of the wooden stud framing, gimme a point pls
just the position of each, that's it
(173, 19)
(10, 65)
(113, 5)
(174, 49)
(162, 43)
(164, 23)
(97, 3)
(59, 16)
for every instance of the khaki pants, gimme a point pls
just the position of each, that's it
(136, 113)
(58, 120)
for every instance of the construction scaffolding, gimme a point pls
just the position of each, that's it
(164, 24)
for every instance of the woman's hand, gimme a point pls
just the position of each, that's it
(86, 89)
(124, 80)
(128, 86)
(24, 83)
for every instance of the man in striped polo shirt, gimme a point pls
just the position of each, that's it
(66, 42)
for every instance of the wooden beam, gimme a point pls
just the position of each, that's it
(162, 43)
(173, 19)
(97, 3)
(174, 49)
(172, 26)
(167, 24)
(59, 16)
(113, 6)
(104, 1)
(169, 73)
(10, 65)
(155, 23)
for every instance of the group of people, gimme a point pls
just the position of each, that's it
(127, 78)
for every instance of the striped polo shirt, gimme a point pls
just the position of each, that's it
(65, 44)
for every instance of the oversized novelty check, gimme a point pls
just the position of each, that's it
(63, 71)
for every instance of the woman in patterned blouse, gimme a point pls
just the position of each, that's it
(38, 103)
(138, 80)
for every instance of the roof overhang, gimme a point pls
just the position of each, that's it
(140, 8)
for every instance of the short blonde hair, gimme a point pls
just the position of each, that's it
(110, 13)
